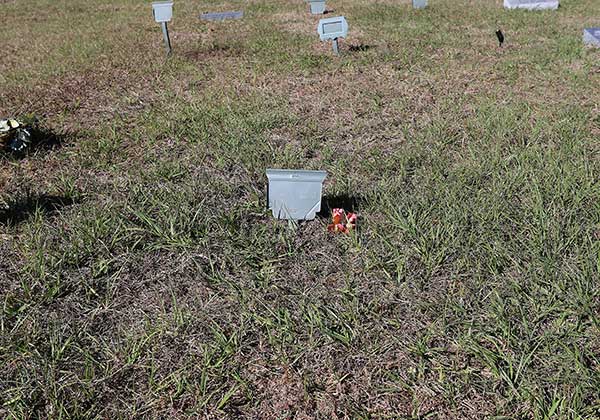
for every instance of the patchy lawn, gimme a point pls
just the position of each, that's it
(142, 277)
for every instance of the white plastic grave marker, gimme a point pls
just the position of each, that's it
(163, 13)
(591, 36)
(333, 28)
(295, 195)
(532, 4)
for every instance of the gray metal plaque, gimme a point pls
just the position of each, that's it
(532, 4)
(333, 28)
(317, 7)
(219, 16)
(591, 36)
(295, 195)
(162, 11)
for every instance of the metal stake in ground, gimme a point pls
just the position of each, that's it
(336, 48)
(165, 30)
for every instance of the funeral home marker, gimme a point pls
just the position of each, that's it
(163, 13)
(332, 29)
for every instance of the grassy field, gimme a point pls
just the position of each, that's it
(142, 277)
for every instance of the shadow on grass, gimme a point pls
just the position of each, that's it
(41, 139)
(346, 202)
(46, 139)
(22, 209)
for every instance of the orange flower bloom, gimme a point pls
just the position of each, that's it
(338, 215)
(342, 222)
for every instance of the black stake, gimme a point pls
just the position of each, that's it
(500, 36)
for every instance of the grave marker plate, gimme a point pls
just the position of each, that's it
(333, 28)
(419, 4)
(295, 195)
(317, 7)
(531, 4)
(591, 36)
(219, 16)
(162, 11)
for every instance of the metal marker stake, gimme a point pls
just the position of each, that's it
(331, 29)
(166, 35)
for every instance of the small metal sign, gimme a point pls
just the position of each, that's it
(333, 28)
(163, 13)
(295, 195)
(591, 36)
(219, 16)
(532, 4)
(419, 4)
(317, 7)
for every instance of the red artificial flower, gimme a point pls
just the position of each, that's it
(342, 222)
(338, 215)
(351, 220)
